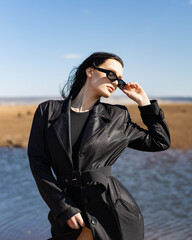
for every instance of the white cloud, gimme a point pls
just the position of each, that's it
(71, 56)
(190, 2)
(85, 11)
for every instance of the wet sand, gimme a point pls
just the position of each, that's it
(15, 123)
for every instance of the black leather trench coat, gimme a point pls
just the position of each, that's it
(106, 205)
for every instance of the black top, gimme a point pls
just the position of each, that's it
(78, 123)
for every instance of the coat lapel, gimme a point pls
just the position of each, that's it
(62, 126)
(96, 122)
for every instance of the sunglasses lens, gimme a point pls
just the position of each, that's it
(121, 84)
(112, 76)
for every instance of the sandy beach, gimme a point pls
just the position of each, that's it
(15, 123)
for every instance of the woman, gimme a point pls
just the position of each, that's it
(74, 142)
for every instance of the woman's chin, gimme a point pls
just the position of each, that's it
(107, 94)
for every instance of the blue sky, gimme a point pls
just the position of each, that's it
(42, 40)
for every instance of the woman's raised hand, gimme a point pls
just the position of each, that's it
(134, 91)
(76, 221)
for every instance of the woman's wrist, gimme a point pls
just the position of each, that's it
(143, 102)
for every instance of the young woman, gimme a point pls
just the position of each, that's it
(75, 141)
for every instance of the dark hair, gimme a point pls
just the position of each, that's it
(77, 76)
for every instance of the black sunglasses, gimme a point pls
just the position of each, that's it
(112, 77)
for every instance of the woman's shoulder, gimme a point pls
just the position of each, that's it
(49, 107)
(50, 102)
(114, 109)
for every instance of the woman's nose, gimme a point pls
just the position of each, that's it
(115, 83)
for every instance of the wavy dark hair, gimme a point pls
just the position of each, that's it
(77, 76)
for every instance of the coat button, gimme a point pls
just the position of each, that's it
(93, 221)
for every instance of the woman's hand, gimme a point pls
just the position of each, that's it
(134, 91)
(76, 221)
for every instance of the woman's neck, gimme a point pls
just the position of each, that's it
(84, 101)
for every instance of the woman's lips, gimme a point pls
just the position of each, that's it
(111, 88)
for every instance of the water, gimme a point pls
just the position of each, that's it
(118, 99)
(160, 182)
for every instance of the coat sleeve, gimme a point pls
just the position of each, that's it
(156, 137)
(58, 201)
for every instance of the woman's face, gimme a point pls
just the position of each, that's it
(99, 83)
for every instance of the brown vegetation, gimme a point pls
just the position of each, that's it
(15, 124)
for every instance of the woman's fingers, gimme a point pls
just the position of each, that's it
(134, 91)
(73, 223)
(76, 221)
(80, 219)
(132, 85)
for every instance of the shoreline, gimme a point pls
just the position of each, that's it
(16, 120)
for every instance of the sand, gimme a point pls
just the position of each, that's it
(15, 123)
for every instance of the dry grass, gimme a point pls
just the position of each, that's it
(15, 124)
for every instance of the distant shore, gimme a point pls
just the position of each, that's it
(16, 120)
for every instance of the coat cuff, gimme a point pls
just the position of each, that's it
(67, 214)
(64, 210)
(151, 113)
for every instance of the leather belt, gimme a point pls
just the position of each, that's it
(85, 178)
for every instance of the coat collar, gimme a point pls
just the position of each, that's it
(61, 121)
(98, 110)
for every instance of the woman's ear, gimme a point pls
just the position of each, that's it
(89, 72)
